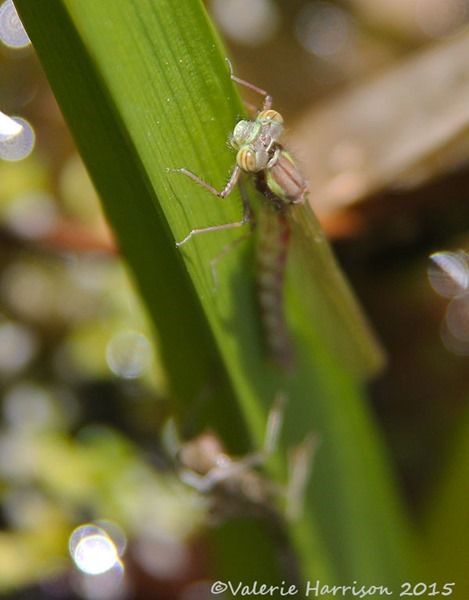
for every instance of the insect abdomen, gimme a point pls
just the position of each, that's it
(274, 234)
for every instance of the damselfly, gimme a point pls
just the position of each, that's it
(287, 223)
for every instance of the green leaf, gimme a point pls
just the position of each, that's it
(447, 526)
(145, 88)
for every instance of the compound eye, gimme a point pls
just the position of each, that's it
(271, 115)
(247, 161)
(240, 133)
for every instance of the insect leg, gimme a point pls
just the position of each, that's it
(194, 232)
(300, 462)
(274, 423)
(247, 218)
(226, 250)
(226, 468)
(267, 97)
(226, 191)
(272, 434)
(177, 450)
(223, 194)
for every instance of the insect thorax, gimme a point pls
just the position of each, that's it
(256, 141)
(282, 184)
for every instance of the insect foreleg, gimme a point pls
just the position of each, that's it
(223, 194)
(226, 191)
(267, 97)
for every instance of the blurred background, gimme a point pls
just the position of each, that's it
(376, 97)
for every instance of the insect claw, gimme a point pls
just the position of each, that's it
(186, 239)
(230, 66)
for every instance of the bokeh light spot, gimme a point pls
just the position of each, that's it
(451, 334)
(28, 289)
(110, 585)
(115, 533)
(448, 273)
(18, 345)
(92, 550)
(12, 32)
(248, 22)
(29, 407)
(129, 354)
(8, 126)
(19, 146)
(164, 557)
(31, 215)
(322, 28)
(442, 18)
(457, 317)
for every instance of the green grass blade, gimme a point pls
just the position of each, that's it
(447, 525)
(144, 87)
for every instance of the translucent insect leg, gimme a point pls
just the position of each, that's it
(201, 462)
(174, 445)
(202, 483)
(274, 423)
(272, 434)
(226, 250)
(227, 468)
(247, 218)
(212, 228)
(223, 194)
(300, 461)
(226, 191)
(171, 439)
(267, 97)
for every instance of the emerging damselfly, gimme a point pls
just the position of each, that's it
(287, 221)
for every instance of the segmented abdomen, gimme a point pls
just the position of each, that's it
(273, 238)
